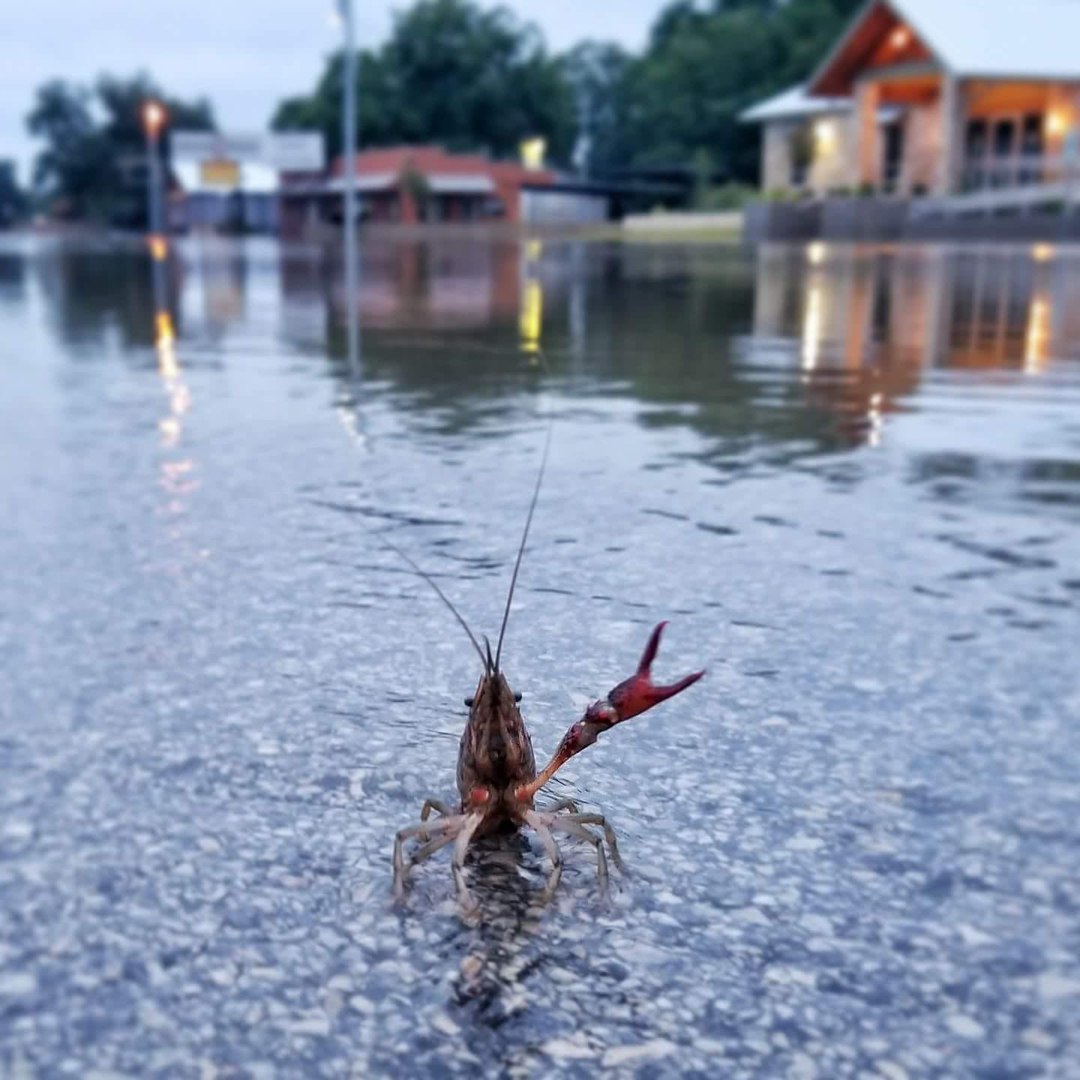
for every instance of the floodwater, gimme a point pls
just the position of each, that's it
(850, 479)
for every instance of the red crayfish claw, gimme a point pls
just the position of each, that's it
(631, 697)
(638, 693)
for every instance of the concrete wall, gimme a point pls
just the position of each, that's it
(726, 221)
(781, 221)
(882, 220)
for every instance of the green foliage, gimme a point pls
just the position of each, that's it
(730, 196)
(597, 73)
(469, 77)
(704, 66)
(454, 73)
(416, 185)
(93, 161)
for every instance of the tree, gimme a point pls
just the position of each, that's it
(74, 169)
(475, 78)
(704, 66)
(13, 202)
(95, 169)
(451, 72)
(597, 73)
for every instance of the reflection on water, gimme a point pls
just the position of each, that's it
(532, 298)
(872, 326)
(770, 355)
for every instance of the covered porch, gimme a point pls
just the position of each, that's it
(956, 123)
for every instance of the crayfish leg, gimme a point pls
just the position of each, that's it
(469, 824)
(451, 825)
(539, 823)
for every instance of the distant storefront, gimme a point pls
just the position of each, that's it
(411, 185)
(233, 183)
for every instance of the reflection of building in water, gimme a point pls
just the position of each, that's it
(531, 317)
(868, 321)
(12, 275)
(219, 296)
(416, 285)
(945, 309)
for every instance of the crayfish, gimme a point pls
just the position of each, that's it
(496, 772)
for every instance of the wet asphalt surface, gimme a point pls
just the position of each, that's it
(853, 849)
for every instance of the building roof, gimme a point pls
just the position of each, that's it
(368, 181)
(1022, 39)
(796, 104)
(793, 103)
(460, 183)
(438, 165)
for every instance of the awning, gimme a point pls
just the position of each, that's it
(365, 182)
(460, 184)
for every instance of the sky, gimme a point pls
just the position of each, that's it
(245, 55)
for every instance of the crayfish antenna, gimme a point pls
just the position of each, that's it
(630, 698)
(521, 546)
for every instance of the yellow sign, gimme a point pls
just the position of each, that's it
(220, 173)
(533, 152)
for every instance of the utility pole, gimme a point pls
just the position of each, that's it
(348, 141)
(153, 117)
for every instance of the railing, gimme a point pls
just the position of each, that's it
(1030, 184)
(1021, 171)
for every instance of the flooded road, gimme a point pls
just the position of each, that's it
(850, 479)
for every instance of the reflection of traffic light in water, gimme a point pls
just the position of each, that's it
(531, 317)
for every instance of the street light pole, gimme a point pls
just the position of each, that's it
(153, 116)
(349, 150)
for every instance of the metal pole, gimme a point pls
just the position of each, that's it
(349, 150)
(153, 181)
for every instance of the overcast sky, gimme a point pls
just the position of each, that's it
(244, 54)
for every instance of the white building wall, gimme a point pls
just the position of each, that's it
(562, 207)
(831, 135)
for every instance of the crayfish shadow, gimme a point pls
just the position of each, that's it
(503, 932)
(504, 875)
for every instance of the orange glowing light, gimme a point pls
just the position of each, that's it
(1057, 122)
(153, 117)
(159, 247)
(164, 334)
(900, 38)
(1042, 253)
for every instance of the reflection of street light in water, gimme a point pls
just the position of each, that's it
(1037, 336)
(169, 369)
(531, 315)
(874, 417)
(811, 331)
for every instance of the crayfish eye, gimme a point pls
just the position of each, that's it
(469, 702)
(517, 696)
